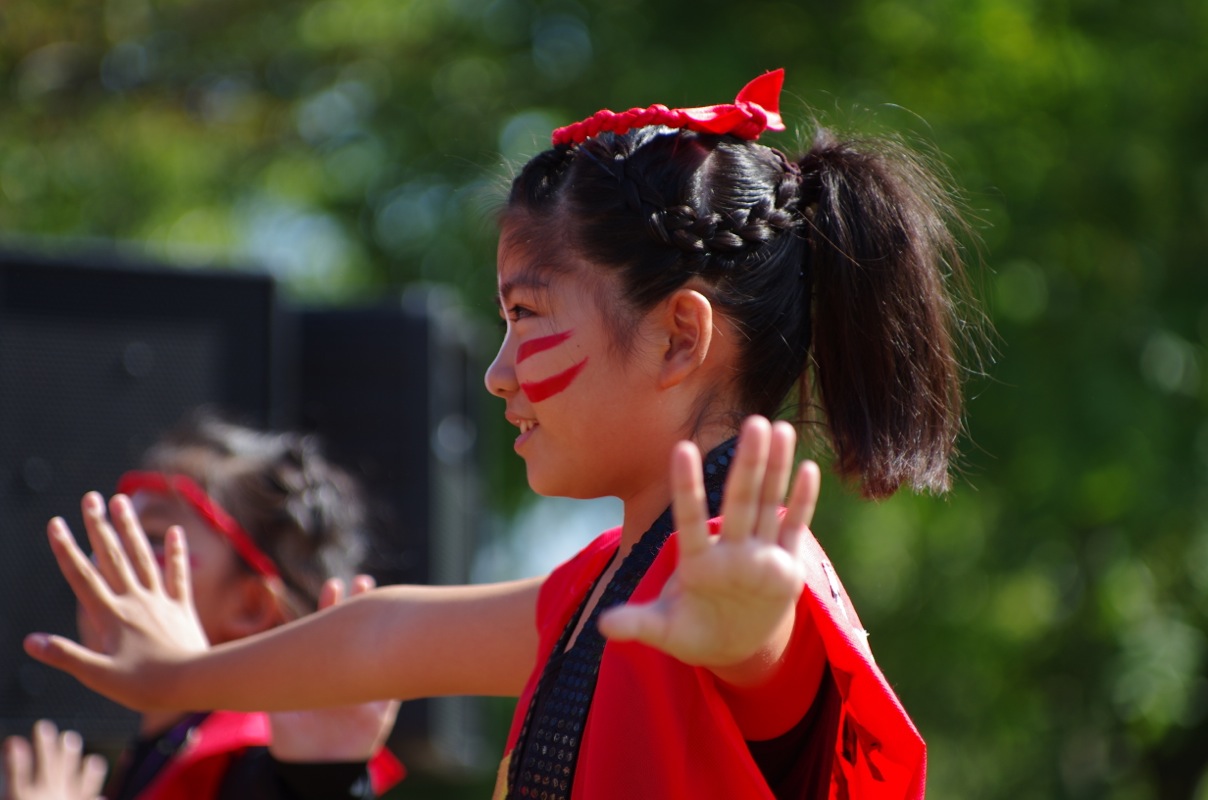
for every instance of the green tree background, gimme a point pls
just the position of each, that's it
(1044, 623)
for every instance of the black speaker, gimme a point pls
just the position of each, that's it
(392, 389)
(98, 355)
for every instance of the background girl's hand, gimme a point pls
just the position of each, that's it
(346, 733)
(52, 767)
(730, 603)
(144, 622)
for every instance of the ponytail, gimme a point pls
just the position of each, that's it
(883, 354)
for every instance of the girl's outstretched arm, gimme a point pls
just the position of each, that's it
(397, 642)
(731, 603)
(338, 733)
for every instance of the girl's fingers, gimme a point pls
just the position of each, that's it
(362, 584)
(44, 738)
(688, 499)
(740, 503)
(134, 542)
(783, 441)
(637, 623)
(178, 579)
(90, 589)
(53, 757)
(92, 775)
(71, 744)
(107, 550)
(18, 762)
(802, 502)
(332, 592)
(84, 665)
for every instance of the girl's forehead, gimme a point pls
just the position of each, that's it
(530, 269)
(159, 511)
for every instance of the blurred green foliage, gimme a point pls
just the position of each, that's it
(1045, 623)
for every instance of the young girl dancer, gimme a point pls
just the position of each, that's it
(274, 530)
(662, 277)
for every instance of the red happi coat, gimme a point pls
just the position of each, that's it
(658, 728)
(197, 771)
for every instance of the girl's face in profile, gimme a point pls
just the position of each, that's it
(583, 405)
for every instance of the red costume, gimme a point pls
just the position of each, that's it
(197, 770)
(659, 728)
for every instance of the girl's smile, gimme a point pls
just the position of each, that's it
(575, 397)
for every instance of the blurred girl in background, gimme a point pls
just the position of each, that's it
(274, 531)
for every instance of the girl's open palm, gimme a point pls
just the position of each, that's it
(732, 596)
(341, 733)
(144, 621)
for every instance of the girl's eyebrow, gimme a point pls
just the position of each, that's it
(527, 281)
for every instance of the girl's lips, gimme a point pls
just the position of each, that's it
(527, 428)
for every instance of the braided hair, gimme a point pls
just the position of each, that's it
(304, 512)
(834, 267)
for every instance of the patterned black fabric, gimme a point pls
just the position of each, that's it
(543, 763)
(253, 774)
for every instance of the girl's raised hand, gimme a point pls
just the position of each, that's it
(144, 621)
(729, 605)
(51, 767)
(344, 733)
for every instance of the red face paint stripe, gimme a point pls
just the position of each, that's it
(534, 346)
(537, 391)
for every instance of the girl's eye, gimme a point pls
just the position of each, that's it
(517, 313)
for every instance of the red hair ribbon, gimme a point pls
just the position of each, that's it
(210, 512)
(756, 109)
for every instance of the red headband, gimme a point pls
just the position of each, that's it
(210, 512)
(756, 109)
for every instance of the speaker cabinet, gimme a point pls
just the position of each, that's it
(392, 389)
(97, 357)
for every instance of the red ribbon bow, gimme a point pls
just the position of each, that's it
(756, 109)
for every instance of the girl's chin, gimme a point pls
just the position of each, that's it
(548, 485)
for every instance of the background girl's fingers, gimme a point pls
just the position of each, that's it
(18, 762)
(783, 441)
(107, 550)
(178, 580)
(134, 541)
(86, 583)
(802, 501)
(362, 584)
(92, 775)
(740, 503)
(45, 741)
(330, 593)
(71, 744)
(688, 499)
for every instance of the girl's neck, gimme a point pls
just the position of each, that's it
(646, 504)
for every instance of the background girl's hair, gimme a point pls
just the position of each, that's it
(303, 511)
(838, 269)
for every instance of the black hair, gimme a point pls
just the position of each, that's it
(303, 511)
(835, 267)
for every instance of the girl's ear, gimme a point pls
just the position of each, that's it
(688, 328)
(256, 608)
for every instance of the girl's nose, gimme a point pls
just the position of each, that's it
(501, 375)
